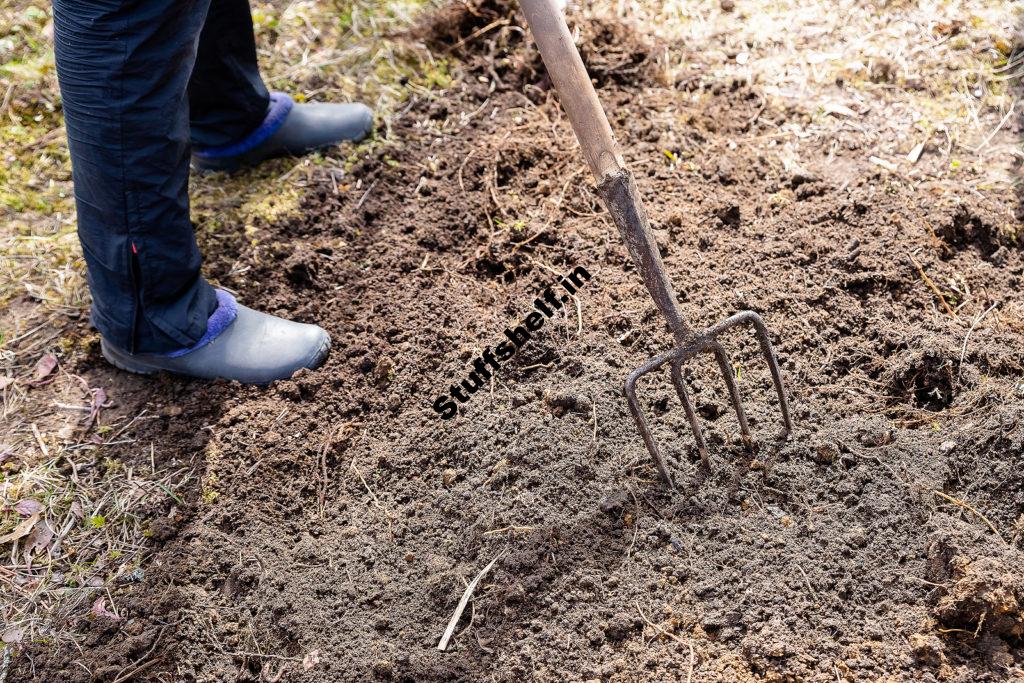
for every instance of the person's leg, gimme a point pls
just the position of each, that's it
(227, 97)
(124, 69)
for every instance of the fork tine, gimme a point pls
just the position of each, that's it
(641, 423)
(734, 391)
(691, 416)
(768, 351)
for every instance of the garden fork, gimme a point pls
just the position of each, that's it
(617, 188)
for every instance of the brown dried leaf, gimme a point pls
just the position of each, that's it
(13, 635)
(28, 507)
(38, 541)
(44, 366)
(22, 529)
(99, 609)
(99, 401)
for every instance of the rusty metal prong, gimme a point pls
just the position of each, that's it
(641, 422)
(691, 415)
(768, 351)
(729, 375)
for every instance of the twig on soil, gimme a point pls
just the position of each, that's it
(673, 636)
(373, 495)
(965, 505)
(808, 581)
(502, 530)
(137, 670)
(963, 349)
(991, 135)
(454, 621)
(7, 101)
(122, 676)
(322, 488)
(931, 285)
(636, 531)
(465, 159)
(39, 440)
(365, 195)
(479, 32)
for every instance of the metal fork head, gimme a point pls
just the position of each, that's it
(707, 341)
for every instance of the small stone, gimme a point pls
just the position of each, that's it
(826, 453)
(613, 503)
(499, 473)
(383, 669)
(384, 373)
(858, 537)
(561, 402)
(800, 176)
(927, 649)
(727, 5)
(947, 447)
(449, 476)
(619, 627)
(664, 242)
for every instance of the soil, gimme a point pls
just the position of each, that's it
(339, 520)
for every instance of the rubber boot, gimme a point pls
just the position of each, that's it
(290, 128)
(253, 348)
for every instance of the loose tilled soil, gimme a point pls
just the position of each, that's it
(339, 520)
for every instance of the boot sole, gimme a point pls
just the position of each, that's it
(114, 358)
(119, 361)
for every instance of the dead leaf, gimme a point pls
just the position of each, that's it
(76, 509)
(311, 659)
(950, 28)
(99, 609)
(38, 540)
(13, 635)
(837, 109)
(99, 401)
(22, 529)
(44, 366)
(28, 507)
(915, 153)
(887, 165)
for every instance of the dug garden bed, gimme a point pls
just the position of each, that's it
(339, 519)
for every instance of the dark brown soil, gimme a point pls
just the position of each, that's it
(342, 519)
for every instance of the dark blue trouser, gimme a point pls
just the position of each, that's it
(133, 103)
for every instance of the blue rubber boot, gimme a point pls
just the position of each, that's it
(289, 128)
(240, 344)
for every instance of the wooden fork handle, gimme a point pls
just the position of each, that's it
(575, 91)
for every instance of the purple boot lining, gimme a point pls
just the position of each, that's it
(280, 106)
(220, 319)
